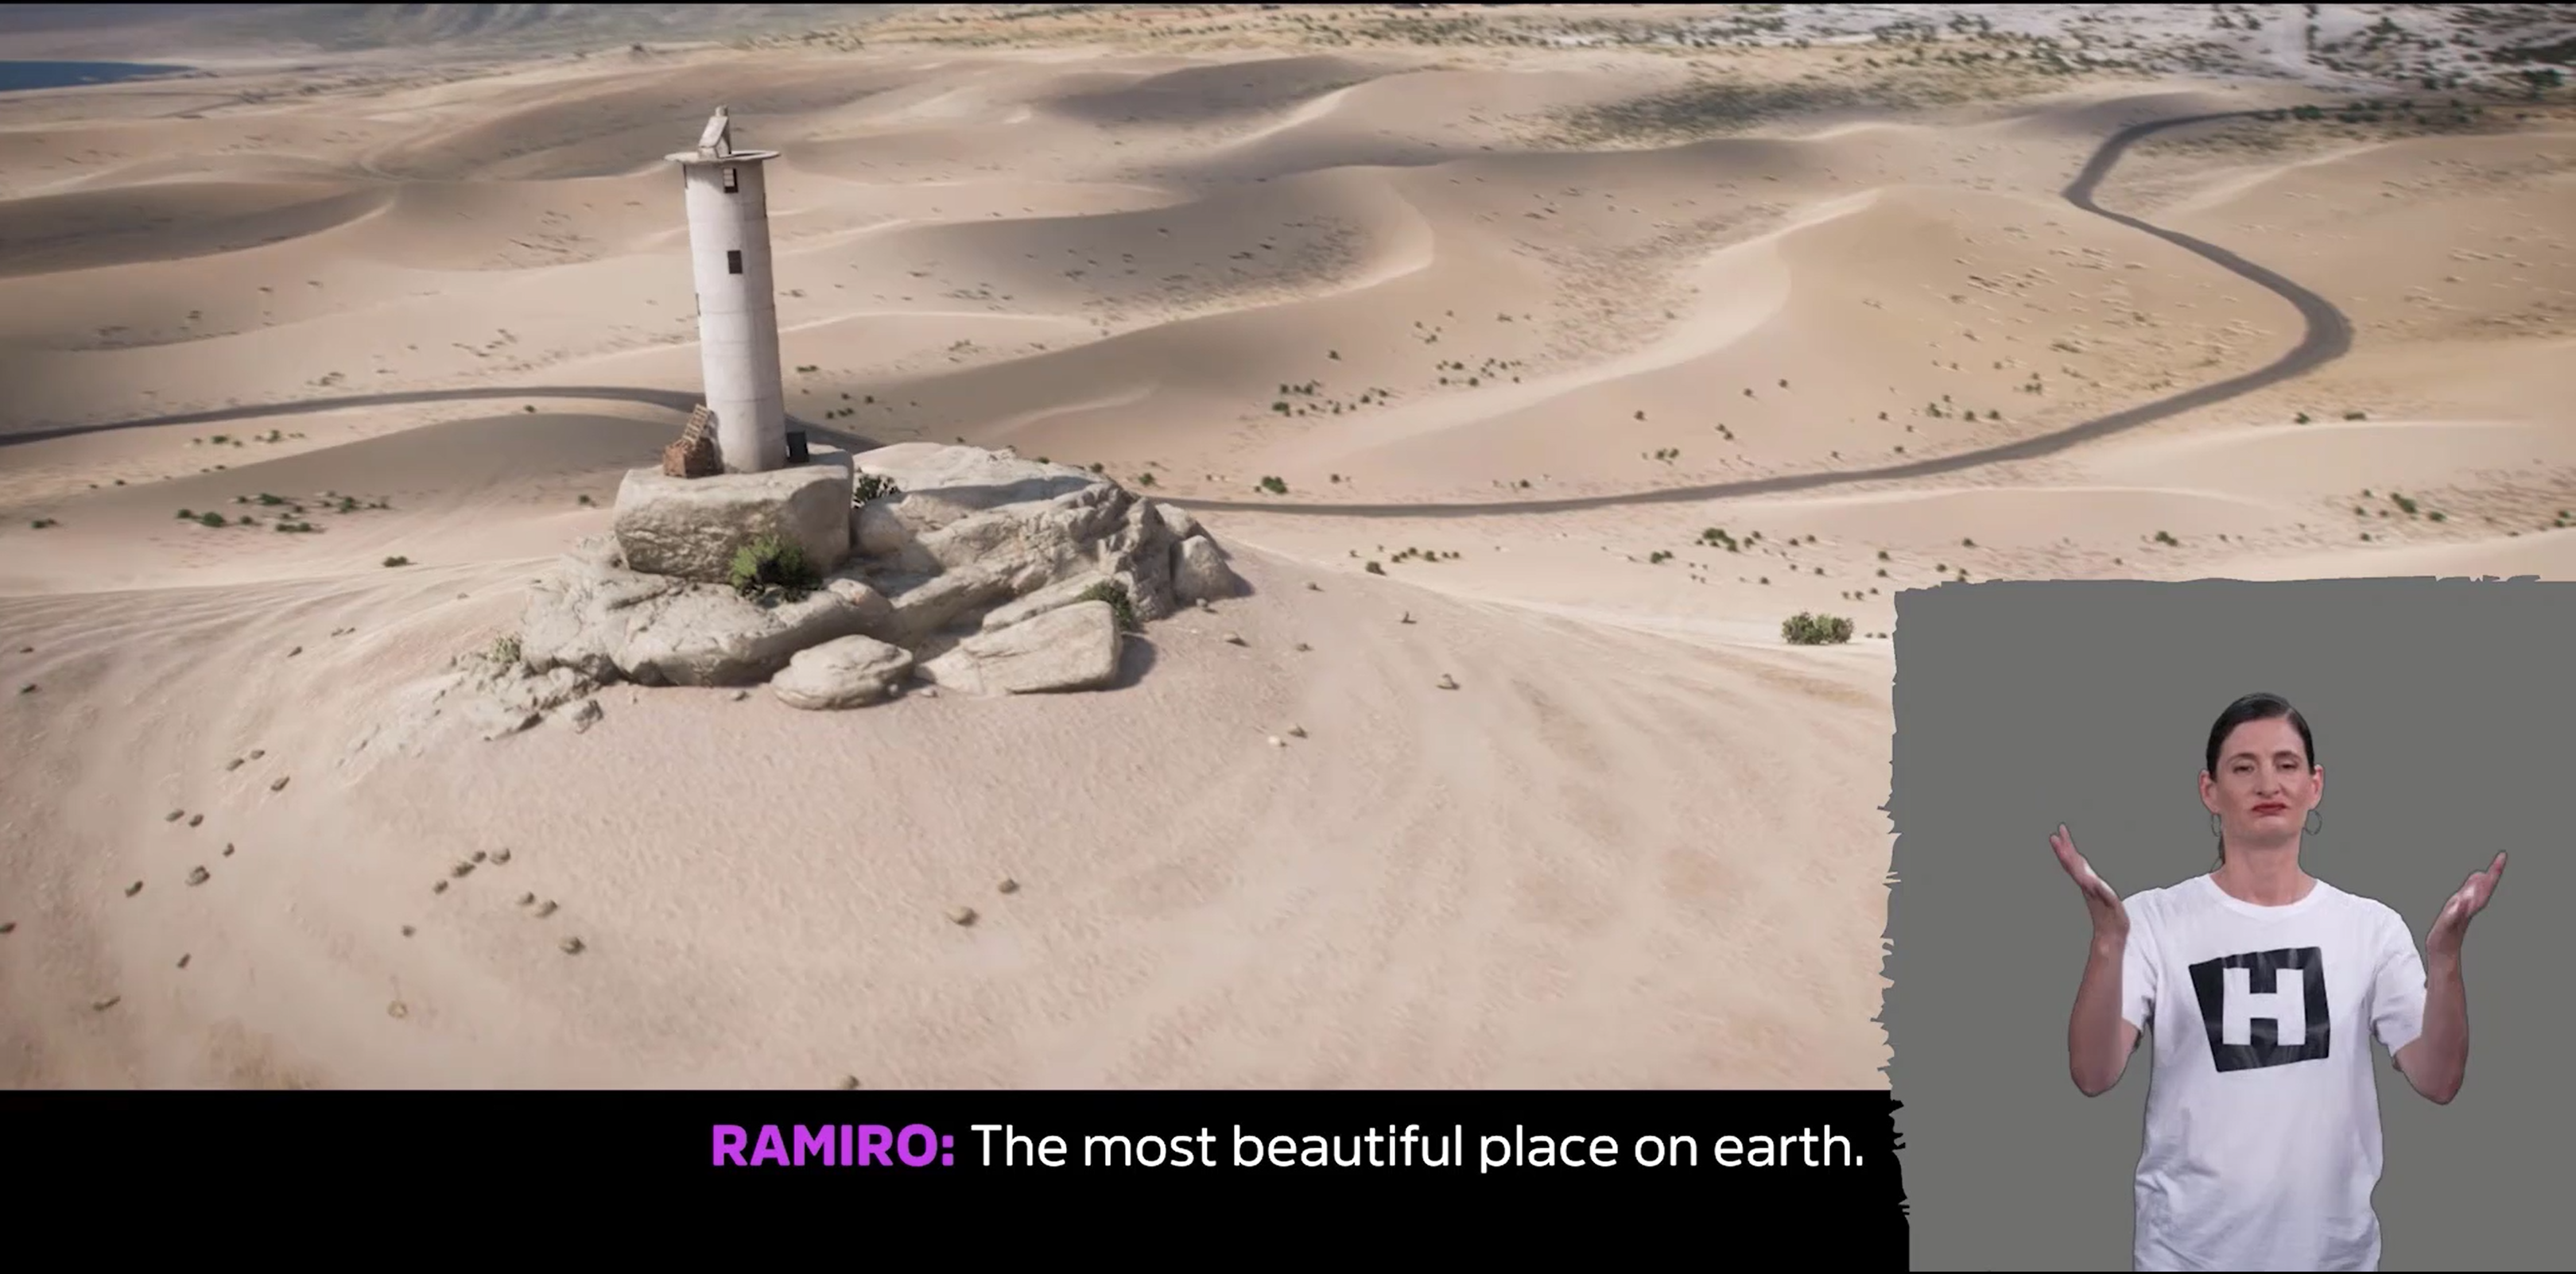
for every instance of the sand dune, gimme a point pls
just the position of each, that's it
(160, 222)
(1638, 845)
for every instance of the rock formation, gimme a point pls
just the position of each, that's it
(980, 572)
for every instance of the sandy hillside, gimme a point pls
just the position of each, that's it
(1594, 344)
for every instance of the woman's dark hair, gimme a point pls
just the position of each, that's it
(2255, 707)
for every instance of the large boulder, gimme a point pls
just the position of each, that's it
(688, 528)
(846, 672)
(941, 484)
(999, 528)
(1073, 647)
(1054, 596)
(1138, 555)
(605, 622)
(710, 636)
(1200, 572)
(926, 605)
(578, 616)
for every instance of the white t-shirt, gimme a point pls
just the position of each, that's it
(2262, 1142)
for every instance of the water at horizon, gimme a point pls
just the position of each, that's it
(16, 77)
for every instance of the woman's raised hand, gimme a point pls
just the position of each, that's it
(2110, 919)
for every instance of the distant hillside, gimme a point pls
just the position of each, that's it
(172, 32)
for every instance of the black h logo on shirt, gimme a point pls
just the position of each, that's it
(2264, 1008)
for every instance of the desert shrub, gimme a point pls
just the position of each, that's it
(1803, 629)
(1275, 485)
(872, 486)
(1115, 593)
(397, 561)
(211, 518)
(769, 562)
(505, 651)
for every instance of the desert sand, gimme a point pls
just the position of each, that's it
(1481, 290)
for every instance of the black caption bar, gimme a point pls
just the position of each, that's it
(1764, 1157)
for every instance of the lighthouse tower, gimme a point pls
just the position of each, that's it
(728, 205)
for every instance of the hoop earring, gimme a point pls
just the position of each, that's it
(2214, 833)
(2316, 822)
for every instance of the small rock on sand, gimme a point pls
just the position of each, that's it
(527, 900)
(1277, 742)
(407, 931)
(439, 888)
(499, 855)
(27, 689)
(587, 715)
(1448, 682)
(106, 1004)
(183, 962)
(133, 889)
(174, 816)
(479, 855)
(397, 1009)
(257, 753)
(849, 1081)
(231, 765)
(460, 870)
(279, 785)
(1234, 639)
(1313, 587)
(740, 695)
(195, 819)
(8, 926)
(572, 946)
(961, 915)
(228, 851)
(197, 875)
(547, 909)
(293, 653)
(1008, 886)
(1303, 647)
(1296, 732)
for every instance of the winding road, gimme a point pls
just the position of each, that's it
(2328, 337)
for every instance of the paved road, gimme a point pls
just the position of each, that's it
(2328, 337)
(676, 400)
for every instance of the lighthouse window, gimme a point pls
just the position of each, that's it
(733, 181)
(733, 261)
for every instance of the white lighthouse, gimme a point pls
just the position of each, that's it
(728, 205)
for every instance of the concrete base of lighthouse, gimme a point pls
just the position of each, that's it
(689, 528)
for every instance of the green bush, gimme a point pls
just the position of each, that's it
(769, 562)
(872, 486)
(1803, 629)
(1115, 593)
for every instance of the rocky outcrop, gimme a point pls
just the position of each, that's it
(609, 623)
(689, 528)
(1000, 562)
(846, 672)
(1073, 647)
